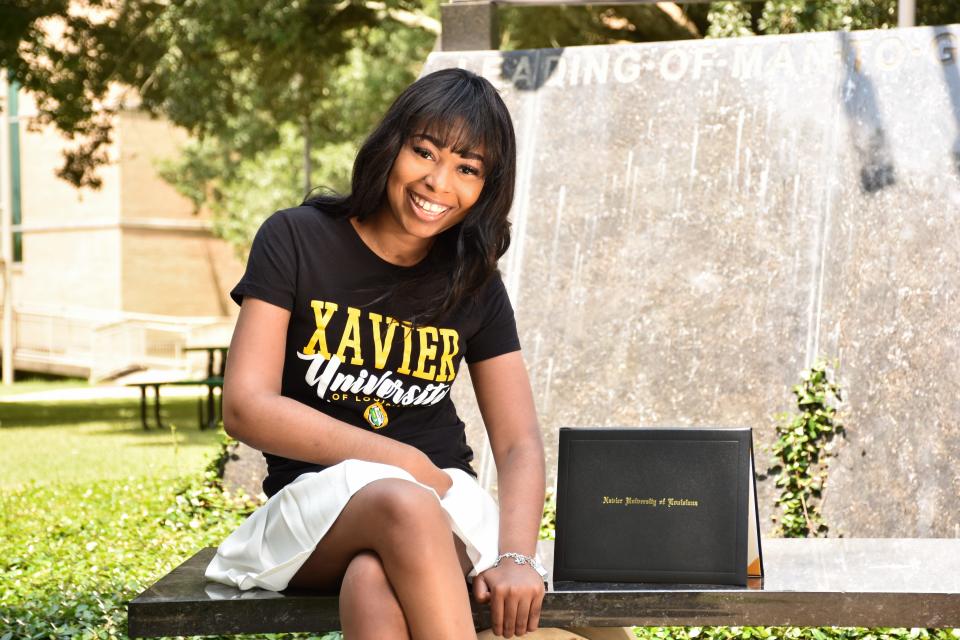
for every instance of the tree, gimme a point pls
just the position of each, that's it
(795, 16)
(573, 25)
(241, 184)
(231, 69)
(70, 75)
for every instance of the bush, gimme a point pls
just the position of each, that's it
(72, 555)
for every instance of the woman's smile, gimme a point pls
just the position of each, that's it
(427, 209)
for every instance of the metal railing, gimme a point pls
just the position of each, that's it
(80, 343)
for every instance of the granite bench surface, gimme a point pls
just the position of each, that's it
(808, 582)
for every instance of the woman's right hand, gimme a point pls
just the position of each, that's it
(425, 472)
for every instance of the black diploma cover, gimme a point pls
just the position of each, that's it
(657, 505)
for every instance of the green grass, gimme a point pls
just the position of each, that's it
(71, 555)
(38, 383)
(87, 441)
(93, 510)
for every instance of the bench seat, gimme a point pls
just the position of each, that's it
(890, 582)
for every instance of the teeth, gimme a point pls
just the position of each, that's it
(429, 207)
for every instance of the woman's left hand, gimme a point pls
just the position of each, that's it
(515, 594)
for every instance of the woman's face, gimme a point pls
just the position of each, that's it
(431, 188)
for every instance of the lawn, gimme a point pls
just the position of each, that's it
(93, 509)
(37, 383)
(91, 440)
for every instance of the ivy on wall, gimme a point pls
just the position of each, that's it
(804, 441)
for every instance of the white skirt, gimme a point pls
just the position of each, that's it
(274, 542)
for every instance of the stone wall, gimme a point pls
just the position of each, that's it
(696, 221)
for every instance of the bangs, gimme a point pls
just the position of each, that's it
(463, 120)
(456, 135)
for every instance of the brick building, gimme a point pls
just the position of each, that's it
(118, 278)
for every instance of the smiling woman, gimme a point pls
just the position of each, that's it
(430, 189)
(448, 140)
(356, 312)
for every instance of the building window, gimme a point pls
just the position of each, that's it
(13, 91)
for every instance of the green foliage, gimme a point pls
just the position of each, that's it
(72, 66)
(734, 19)
(729, 20)
(246, 172)
(71, 555)
(88, 549)
(793, 633)
(548, 523)
(243, 192)
(235, 70)
(803, 442)
(564, 26)
(218, 461)
(204, 498)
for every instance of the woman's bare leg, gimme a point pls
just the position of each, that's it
(369, 609)
(408, 530)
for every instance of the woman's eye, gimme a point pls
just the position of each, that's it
(423, 153)
(470, 171)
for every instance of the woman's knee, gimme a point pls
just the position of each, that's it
(405, 508)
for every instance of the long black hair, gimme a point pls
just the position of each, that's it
(463, 111)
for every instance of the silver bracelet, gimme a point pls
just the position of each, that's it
(521, 559)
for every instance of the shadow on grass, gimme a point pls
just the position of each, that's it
(203, 441)
(125, 413)
(186, 429)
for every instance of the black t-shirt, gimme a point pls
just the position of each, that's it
(354, 359)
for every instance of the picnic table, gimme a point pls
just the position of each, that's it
(210, 413)
(216, 358)
(869, 582)
(216, 364)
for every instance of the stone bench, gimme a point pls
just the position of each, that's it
(888, 582)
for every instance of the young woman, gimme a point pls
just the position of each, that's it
(356, 312)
